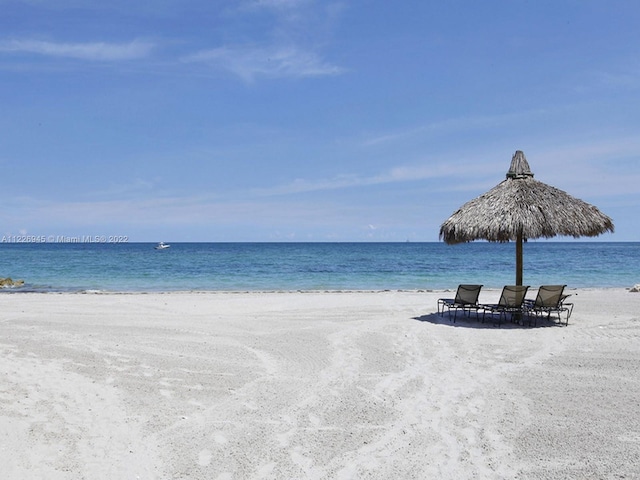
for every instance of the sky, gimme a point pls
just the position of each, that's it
(308, 120)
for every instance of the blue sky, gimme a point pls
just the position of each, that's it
(303, 120)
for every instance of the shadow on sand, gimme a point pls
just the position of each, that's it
(490, 321)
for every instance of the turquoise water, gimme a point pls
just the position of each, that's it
(138, 267)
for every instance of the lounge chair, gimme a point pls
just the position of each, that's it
(466, 300)
(550, 299)
(511, 302)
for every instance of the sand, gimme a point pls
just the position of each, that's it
(314, 385)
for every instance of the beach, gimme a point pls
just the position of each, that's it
(314, 385)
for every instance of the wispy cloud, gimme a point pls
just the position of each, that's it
(94, 51)
(393, 175)
(454, 125)
(133, 188)
(273, 62)
(585, 169)
(277, 4)
(287, 40)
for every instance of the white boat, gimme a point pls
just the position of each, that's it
(161, 246)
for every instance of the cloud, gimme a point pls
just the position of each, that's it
(457, 125)
(285, 41)
(591, 169)
(95, 51)
(273, 62)
(277, 4)
(132, 188)
(393, 175)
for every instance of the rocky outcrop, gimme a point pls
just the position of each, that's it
(8, 282)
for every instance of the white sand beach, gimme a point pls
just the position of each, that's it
(326, 385)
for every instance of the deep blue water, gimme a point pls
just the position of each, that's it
(313, 266)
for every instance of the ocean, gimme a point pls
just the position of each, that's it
(138, 267)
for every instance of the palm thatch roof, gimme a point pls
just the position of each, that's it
(522, 207)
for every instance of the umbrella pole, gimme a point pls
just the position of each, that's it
(519, 259)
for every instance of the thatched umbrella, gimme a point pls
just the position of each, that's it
(520, 208)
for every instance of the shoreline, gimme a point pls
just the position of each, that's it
(348, 384)
(533, 288)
